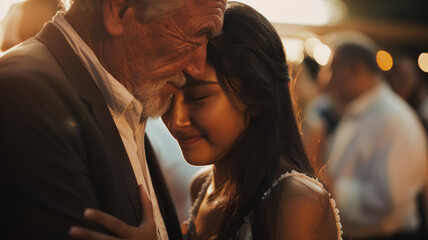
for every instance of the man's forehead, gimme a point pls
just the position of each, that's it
(213, 6)
(206, 17)
(220, 2)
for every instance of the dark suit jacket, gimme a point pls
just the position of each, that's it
(60, 151)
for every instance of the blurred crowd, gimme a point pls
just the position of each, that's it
(24, 20)
(364, 130)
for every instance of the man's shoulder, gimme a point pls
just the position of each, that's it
(389, 110)
(397, 112)
(30, 57)
(30, 64)
(392, 119)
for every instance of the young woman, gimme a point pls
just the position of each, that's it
(240, 120)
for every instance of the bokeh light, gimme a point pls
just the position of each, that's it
(423, 62)
(384, 60)
(293, 49)
(302, 12)
(5, 5)
(310, 45)
(322, 54)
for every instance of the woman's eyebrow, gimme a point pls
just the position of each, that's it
(192, 83)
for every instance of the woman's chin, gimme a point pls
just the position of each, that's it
(196, 161)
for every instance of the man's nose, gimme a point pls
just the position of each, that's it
(196, 68)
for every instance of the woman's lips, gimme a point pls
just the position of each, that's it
(189, 140)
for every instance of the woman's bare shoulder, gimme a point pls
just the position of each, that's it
(300, 192)
(302, 184)
(305, 205)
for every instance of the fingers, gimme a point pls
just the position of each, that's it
(146, 230)
(109, 222)
(86, 234)
(147, 205)
(185, 227)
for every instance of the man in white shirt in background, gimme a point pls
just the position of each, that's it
(378, 156)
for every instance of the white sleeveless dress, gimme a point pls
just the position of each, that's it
(245, 232)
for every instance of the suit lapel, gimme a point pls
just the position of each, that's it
(83, 83)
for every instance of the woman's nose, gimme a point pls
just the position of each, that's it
(177, 117)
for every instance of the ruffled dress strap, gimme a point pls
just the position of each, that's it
(194, 210)
(294, 173)
(245, 232)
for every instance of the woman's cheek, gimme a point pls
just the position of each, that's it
(207, 116)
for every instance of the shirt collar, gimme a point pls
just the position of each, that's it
(364, 101)
(118, 98)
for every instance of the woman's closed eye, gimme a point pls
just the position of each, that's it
(196, 98)
(200, 93)
(196, 91)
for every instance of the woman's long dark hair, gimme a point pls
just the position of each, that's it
(250, 63)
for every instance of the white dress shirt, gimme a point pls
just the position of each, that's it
(378, 164)
(126, 112)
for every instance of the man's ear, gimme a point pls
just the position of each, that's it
(113, 11)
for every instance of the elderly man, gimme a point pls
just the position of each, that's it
(74, 103)
(378, 152)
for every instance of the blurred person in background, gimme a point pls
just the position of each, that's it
(378, 152)
(306, 87)
(25, 19)
(318, 113)
(406, 80)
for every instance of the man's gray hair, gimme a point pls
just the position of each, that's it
(146, 10)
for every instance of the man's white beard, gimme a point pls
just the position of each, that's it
(149, 95)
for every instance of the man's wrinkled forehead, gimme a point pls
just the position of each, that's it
(222, 9)
(220, 3)
(211, 7)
